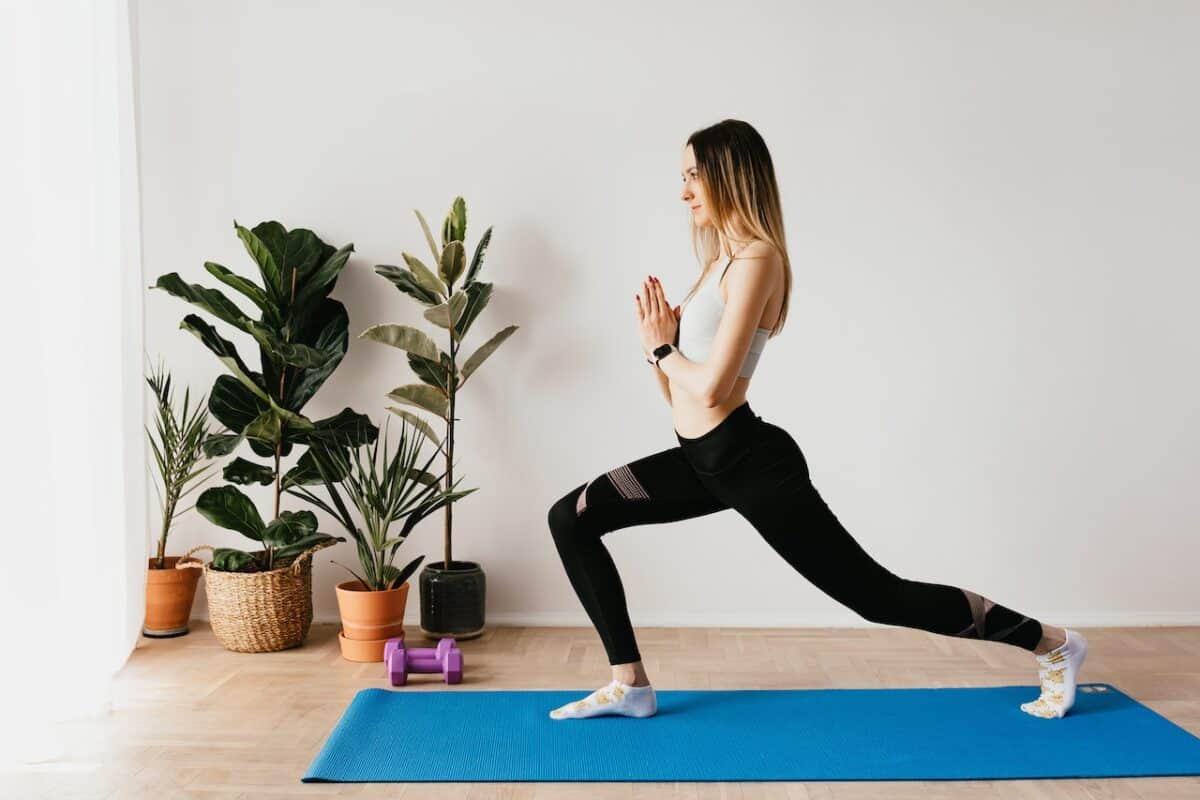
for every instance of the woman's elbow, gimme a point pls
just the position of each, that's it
(713, 395)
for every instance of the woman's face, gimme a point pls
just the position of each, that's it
(693, 190)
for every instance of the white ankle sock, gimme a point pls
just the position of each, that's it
(1058, 669)
(615, 698)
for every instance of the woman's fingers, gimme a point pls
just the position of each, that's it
(660, 302)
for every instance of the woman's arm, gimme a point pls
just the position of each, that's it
(664, 383)
(748, 287)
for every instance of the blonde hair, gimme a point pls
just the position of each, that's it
(738, 175)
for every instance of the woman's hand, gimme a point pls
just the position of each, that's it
(657, 321)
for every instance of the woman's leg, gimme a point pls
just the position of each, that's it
(769, 484)
(660, 487)
(771, 488)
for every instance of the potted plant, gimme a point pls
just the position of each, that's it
(261, 600)
(382, 492)
(453, 593)
(177, 450)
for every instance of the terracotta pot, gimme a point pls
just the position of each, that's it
(371, 616)
(359, 650)
(169, 596)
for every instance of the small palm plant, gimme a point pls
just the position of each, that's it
(383, 491)
(177, 451)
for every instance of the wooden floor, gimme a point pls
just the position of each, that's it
(192, 719)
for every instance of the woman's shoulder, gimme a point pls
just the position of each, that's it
(758, 249)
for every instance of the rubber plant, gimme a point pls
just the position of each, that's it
(442, 373)
(302, 335)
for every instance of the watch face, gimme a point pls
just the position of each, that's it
(662, 350)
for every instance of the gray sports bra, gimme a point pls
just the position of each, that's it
(698, 320)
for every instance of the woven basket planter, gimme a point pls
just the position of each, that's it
(258, 612)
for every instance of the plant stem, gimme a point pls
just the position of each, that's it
(450, 387)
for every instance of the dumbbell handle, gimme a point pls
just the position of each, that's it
(421, 652)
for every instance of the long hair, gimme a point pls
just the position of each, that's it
(739, 178)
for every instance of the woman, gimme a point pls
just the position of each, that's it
(729, 457)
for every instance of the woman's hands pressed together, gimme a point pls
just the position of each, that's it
(657, 321)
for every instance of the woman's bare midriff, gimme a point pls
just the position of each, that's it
(692, 419)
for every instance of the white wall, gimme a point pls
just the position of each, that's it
(991, 208)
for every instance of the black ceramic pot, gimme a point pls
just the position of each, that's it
(453, 600)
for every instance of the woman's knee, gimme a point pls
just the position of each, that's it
(564, 515)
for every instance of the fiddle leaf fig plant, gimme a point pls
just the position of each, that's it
(441, 373)
(302, 335)
(383, 492)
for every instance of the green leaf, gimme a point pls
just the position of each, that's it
(267, 267)
(226, 352)
(433, 248)
(227, 507)
(403, 574)
(327, 329)
(251, 290)
(267, 427)
(453, 262)
(404, 337)
(485, 350)
(477, 296)
(433, 373)
(421, 396)
(321, 281)
(445, 313)
(210, 300)
(425, 277)
(289, 527)
(296, 251)
(243, 472)
(226, 559)
(289, 551)
(418, 423)
(236, 407)
(406, 282)
(221, 444)
(454, 229)
(305, 473)
(347, 428)
(477, 259)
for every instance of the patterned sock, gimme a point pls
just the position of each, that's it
(1058, 669)
(615, 698)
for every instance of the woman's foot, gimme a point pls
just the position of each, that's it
(615, 698)
(1058, 669)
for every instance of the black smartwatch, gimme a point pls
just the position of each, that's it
(662, 351)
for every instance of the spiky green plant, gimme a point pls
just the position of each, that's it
(383, 492)
(177, 451)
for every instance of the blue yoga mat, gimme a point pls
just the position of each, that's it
(751, 735)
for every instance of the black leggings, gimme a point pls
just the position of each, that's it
(756, 468)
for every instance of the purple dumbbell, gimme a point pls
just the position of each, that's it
(400, 660)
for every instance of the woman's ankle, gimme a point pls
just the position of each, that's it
(632, 674)
(1051, 638)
